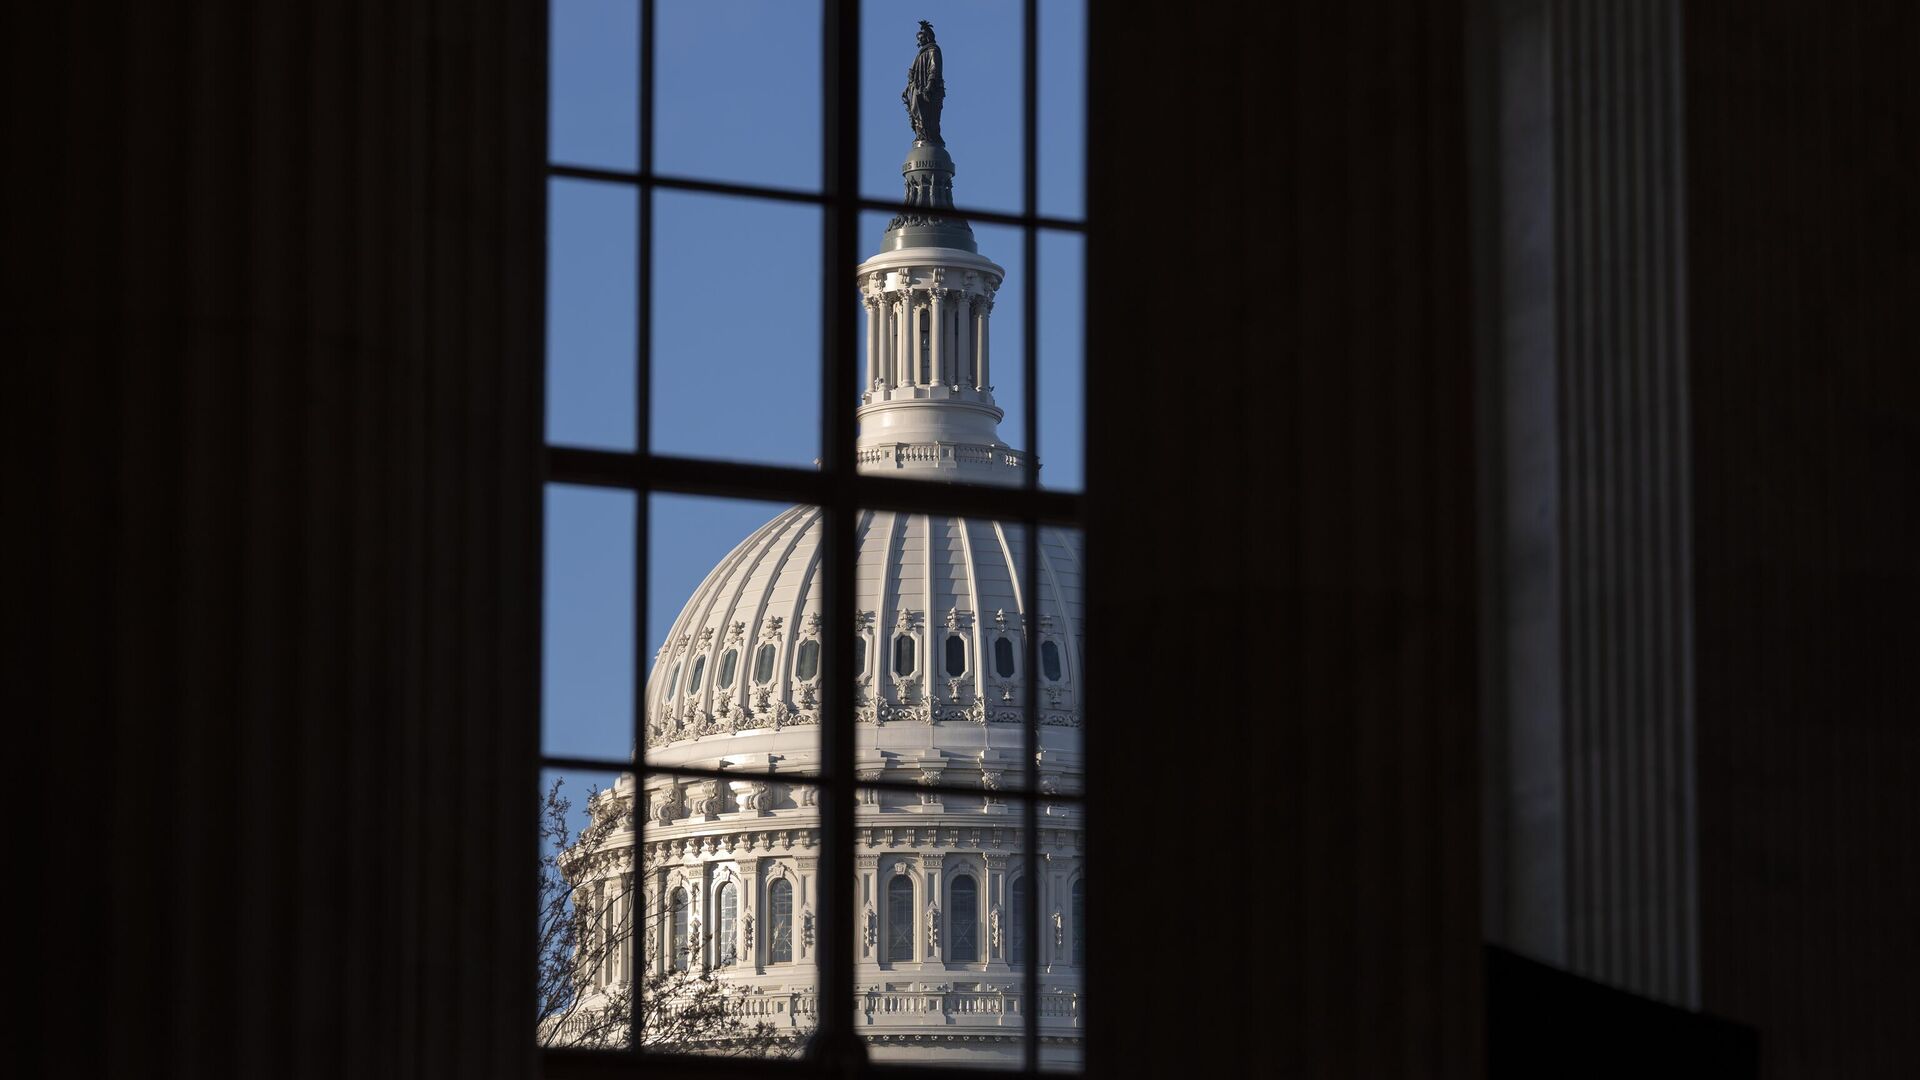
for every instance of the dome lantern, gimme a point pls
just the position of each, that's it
(927, 406)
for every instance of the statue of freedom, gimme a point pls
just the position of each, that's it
(926, 88)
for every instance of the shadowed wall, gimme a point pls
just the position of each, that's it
(1282, 557)
(274, 271)
(1804, 244)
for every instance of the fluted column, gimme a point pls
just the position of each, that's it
(986, 310)
(969, 375)
(873, 339)
(889, 337)
(904, 354)
(916, 343)
(937, 335)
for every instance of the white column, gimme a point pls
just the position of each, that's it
(936, 336)
(986, 309)
(904, 320)
(963, 344)
(916, 356)
(888, 337)
(873, 340)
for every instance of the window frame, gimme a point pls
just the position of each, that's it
(841, 494)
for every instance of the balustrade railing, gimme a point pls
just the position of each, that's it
(1058, 1008)
(878, 1008)
(936, 453)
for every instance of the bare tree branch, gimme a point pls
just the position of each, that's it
(590, 920)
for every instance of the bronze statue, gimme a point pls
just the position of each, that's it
(926, 88)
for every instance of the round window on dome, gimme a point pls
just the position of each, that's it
(1050, 660)
(694, 677)
(806, 661)
(729, 660)
(1003, 658)
(956, 656)
(763, 664)
(904, 660)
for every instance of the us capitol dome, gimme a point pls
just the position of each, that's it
(943, 610)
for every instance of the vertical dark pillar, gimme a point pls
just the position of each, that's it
(1282, 543)
(1803, 231)
(1591, 737)
(274, 272)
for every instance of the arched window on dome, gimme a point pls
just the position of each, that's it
(900, 918)
(677, 943)
(763, 663)
(905, 658)
(806, 661)
(1017, 921)
(780, 922)
(729, 661)
(673, 679)
(1050, 668)
(956, 656)
(726, 906)
(859, 654)
(1003, 664)
(695, 676)
(963, 917)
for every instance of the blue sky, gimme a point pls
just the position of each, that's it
(736, 301)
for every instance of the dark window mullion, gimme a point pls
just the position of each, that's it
(835, 1037)
(791, 195)
(643, 444)
(1029, 290)
(781, 483)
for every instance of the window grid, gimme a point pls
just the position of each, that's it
(840, 493)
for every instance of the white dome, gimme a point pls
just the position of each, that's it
(739, 675)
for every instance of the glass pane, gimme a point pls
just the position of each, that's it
(1063, 929)
(980, 114)
(738, 91)
(1062, 361)
(587, 655)
(1062, 660)
(728, 913)
(955, 577)
(588, 915)
(956, 656)
(592, 288)
(730, 580)
(1063, 108)
(593, 78)
(736, 330)
(942, 944)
